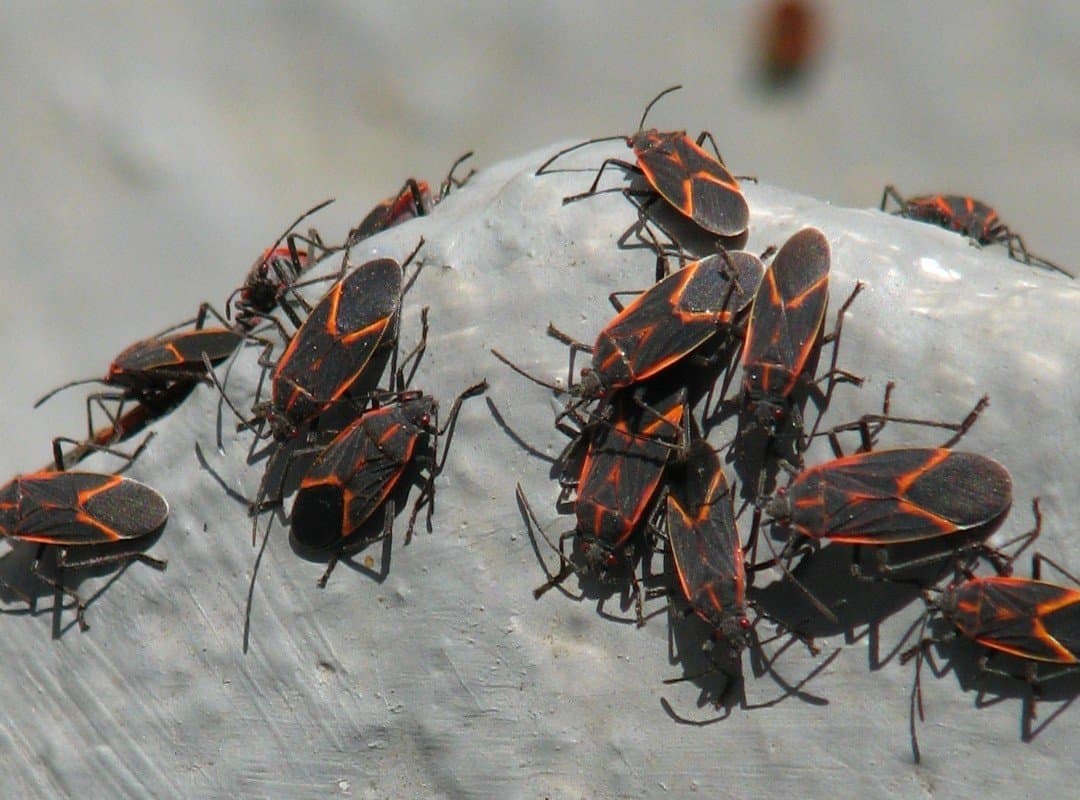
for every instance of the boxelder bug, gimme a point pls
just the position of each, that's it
(333, 347)
(328, 353)
(967, 216)
(356, 472)
(79, 509)
(708, 558)
(159, 372)
(1029, 619)
(789, 40)
(672, 319)
(705, 546)
(678, 169)
(619, 479)
(888, 497)
(663, 324)
(273, 271)
(1026, 618)
(784, 333)
(413, 200)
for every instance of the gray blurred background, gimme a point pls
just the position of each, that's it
(150, 154)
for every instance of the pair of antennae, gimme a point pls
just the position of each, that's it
(641, 126)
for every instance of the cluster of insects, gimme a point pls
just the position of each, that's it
(734, 339)
(329, 365)
(728, 339)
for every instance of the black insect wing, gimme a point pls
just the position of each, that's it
(181, 352)
(79, 508)
(357, 471)
(334, 346)
(785, 325)
(692, 181)
(705, 545)
(622, 471)
(675, 317)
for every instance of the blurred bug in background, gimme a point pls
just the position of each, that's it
(789, 37)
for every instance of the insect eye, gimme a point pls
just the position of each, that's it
(610, 560)
(744, 623)
(778, 414)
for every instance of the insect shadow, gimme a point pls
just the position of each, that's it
(965, 659)
(718, 670)
(19, 584)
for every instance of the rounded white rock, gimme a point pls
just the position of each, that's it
(447, 678)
